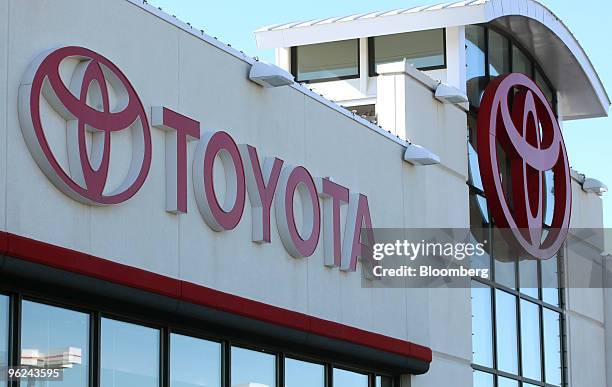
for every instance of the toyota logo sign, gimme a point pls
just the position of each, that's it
(530, 137)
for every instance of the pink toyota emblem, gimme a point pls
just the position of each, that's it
(97, 101)
(530, 136)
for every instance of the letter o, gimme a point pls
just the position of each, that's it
(298, 179)
(214, 214)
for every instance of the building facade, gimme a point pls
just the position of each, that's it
(169, 222)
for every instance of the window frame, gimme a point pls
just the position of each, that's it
(294, 65)
(372, 57)
(97, 312)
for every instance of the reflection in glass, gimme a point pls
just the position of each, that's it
(505, 382)
(552, 347)
(304, 374)
(473, 168)
(505, 323)
(4, 330)
(499, 54)
(421, 49)
(548, 93)
(549, 204)
(129, 355)
(384, 381)
(505, 271)
(475, 63)
(550, 281)
(53, 337)
(528, 277)
(530, 340)
(344, 378)
(483, 379)
(194, 362)
(520, 62)
(328, 60)
(250, 366)
(482, 325)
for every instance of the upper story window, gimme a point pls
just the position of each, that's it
(489, 53)
(326, 61)
(425, 50)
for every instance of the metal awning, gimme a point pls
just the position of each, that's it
(581, 92)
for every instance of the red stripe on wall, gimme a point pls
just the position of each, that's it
(81, 263)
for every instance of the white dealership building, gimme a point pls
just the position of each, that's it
(178, 214)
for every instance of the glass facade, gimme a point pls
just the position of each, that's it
(345, 378)
(517, 315)
(91, 349)
(423, 49)
(300, 373)
(4, 331)
(57, 338)
(129, 355)
(250, 366)
(194, 362)
(326, 61)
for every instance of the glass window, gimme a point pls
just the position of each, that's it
(550, 281)
(528, 277)
(129, 355)
(422, 49)
(499, 54)
(552, 347)
(475, 63)
(384, 381)
(304, 374)
(483, 379)
(482, 325)
(53, 337)
(4, 330)
(330, 60)
(194, 362)
(506, 325)
(344, 378)
(249, 366)
(505, 268)
(505, 382)
(520, 62)
(539, 78)
(530, 340)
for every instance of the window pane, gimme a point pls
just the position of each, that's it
(539, 78)
(421, 48)
(528, 277)
(552, 347)
(384, 381)
(304, 374)
(550, 281)
(483, 379)
(250, 366)
(328, 60)
(194, 362)
(520, 62)
(344, 378)
(530, 340)
(129, 355)
(505, 271)
(475, 63)
(505, 382)
(482, 325)
(506, 326)
(54, 337)
(499, 54)
(4, 330)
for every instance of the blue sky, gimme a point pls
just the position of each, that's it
(588, 141)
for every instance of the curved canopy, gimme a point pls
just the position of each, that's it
(581, 92)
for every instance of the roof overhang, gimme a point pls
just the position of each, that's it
(581, 92)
